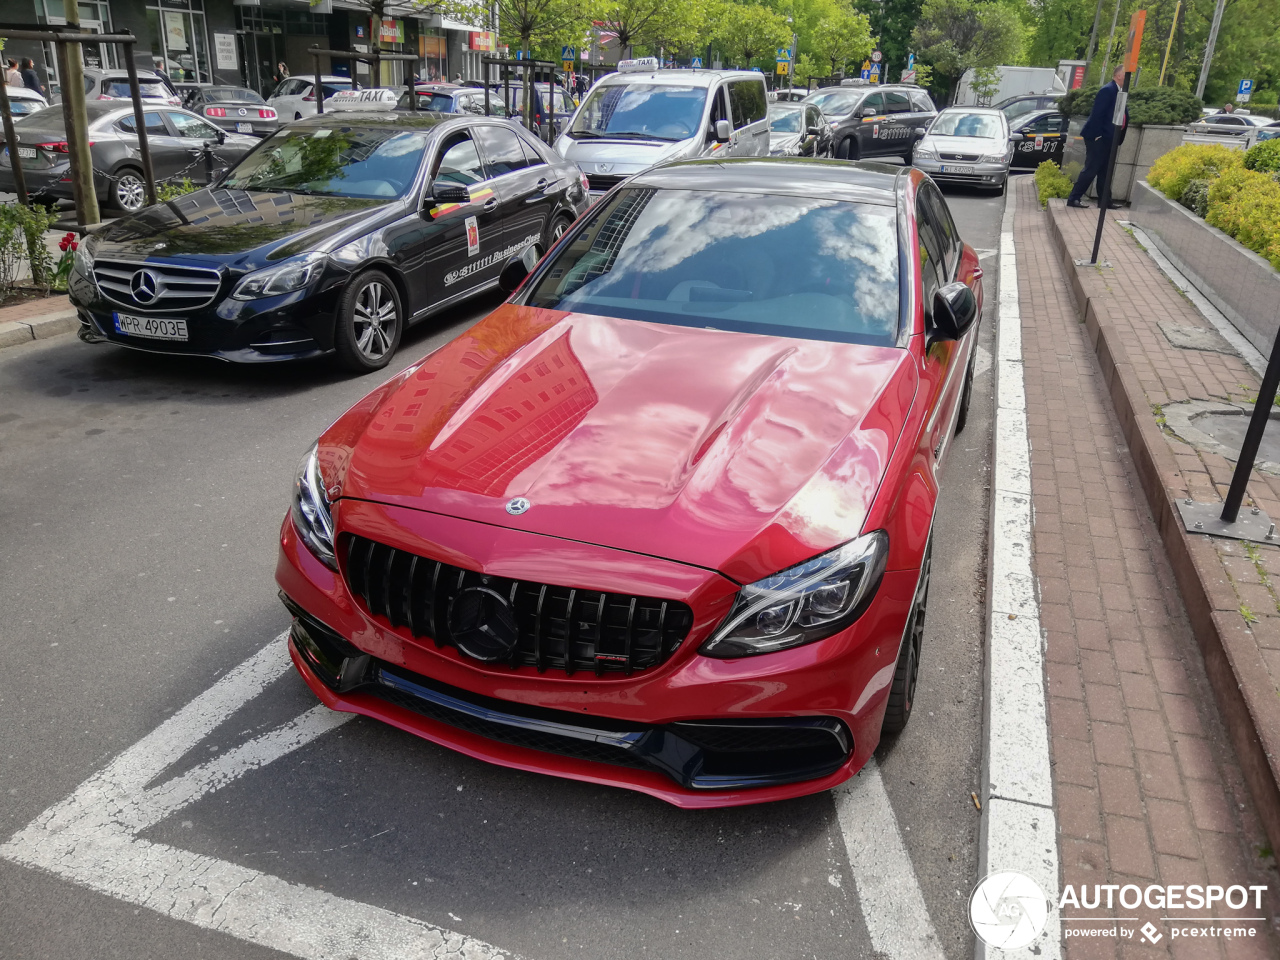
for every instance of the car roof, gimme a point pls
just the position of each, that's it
(856, 181)
(1036, 114)
(990, 111)
(22, 93)
(695, 78)
(416, 120)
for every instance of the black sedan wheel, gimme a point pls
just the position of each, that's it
(848, 149)
(370, 322)
(902, 694)
(127, 193)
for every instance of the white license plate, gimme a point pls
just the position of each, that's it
(27, 153)
(244, 128)
(954, 169)
(153, 327)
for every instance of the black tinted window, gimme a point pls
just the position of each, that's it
(784, 266)
(748, 101)
(874, 101)
(896, 102)
(501, 149)
(930, 251)
(155, 125)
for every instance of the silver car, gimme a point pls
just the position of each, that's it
(970, 145)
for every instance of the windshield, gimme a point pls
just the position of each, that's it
(223, 94)
(343, 162)
(785, 121)
(25, 106)
(643, 111)
(120, 88)
(1019, 107)
(801, 267)
(837, 103)
(984, 125)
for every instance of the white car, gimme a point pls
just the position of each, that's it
(970, 145)
(114, 85)
(23, 101)
(295, 98)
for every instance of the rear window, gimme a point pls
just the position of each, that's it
(120, 88)
(226, 94)
(800, 267)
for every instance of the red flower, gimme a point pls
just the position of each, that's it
(75, 245)
(62, 245)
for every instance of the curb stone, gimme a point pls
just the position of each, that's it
(42, 327)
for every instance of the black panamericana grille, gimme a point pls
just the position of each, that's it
(960, 156)
(555, 627)
(167, 286)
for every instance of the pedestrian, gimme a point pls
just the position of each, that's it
(1097, 133)
(12, 75)
(581, 82)
(457, 78)
(31, 79)
(1228, 108)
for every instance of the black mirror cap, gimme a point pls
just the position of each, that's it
(813, 131)
(442, 191)
(518, 268)
(954, 310)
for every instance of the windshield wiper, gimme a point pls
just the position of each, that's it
(632, 135)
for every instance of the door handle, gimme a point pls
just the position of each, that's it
(490, 204)
(542, 184)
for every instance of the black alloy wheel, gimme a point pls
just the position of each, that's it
(370, 322)
(902, 694)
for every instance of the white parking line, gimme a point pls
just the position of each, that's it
(892, 904)
(1019, 829)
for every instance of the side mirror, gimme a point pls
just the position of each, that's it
(442, 191)
(1016, 138)
(813, 131)
(919, 132)
(867, 112)
(954, 310)
(722, 131)
(518, 268)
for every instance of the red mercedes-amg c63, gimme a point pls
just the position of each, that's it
(663, 519)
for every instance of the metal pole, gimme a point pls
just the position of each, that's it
(319, 90)
(144, 145)
(1111, 39)
(1104, 195)
(1168, 47)
(1253, 436)
(1208, 49)
(11, 139)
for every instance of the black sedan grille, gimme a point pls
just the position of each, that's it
(165, 286)
(523, 623)
(600, 181)
(960, 156)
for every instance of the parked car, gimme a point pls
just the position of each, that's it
(182, 145)
(641, 115)
(663, 520)
(971, 145)
(1270, 132)
(234, 109)
(453, 98)
(1044, 137)
(23, 101)
(295, 97)
(1015, 107)
(787, 96)
(114, 85)
(874, 121)
(798, 130)
(333, 236)
(1229, 124)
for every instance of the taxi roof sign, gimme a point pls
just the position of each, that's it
(639, 65)
(372, 98)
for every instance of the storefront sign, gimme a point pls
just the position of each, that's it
(482, 41)
(224, 45)
(392, 31)
(175, 31)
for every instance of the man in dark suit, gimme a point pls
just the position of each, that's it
(1098, 131)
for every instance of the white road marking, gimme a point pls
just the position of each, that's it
(1019, 829)
(892, 905)
(91, 839)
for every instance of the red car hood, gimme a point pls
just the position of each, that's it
(739, 453)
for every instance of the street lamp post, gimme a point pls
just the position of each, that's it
(791, 67)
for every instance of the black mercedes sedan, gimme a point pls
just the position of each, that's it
(332, 237)
(183, 147)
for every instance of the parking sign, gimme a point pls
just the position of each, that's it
(1245, 92)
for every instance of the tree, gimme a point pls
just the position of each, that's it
(1062, 31)
(650, 22)
(954, 35)
(894, 20)
(842, 37)
(681, 28)
(747, 31)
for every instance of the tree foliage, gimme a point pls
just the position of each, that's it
(840, 37)
(747, 31)
(954, 35)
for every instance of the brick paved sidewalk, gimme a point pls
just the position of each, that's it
(1147, 785)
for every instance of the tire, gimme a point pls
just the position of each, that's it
(848, 149)
(967, 394)
(909, 158)
(902, 694)
(127, 193)
(370, 323)
(559, 226)
(1000, 189)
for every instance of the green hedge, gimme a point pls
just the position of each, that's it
(1158, 105)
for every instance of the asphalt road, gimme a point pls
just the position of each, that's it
(141, 501)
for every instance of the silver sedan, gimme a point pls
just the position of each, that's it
(970, 145)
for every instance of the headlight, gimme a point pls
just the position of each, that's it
(83, 260)
(311, 511)
(924, 153)
(994, 158)
(285, 278)
(804, 603)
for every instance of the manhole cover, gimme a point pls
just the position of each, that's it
(1219, 428)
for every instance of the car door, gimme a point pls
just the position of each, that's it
(169, 156)
(749, 105)
(870, 116)
(1043, 138)
(208, 157)
(523, 182)
(938, 250)
(719, 111)
(464, 240)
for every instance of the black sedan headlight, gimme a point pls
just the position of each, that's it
(312, 513)
(804, 603)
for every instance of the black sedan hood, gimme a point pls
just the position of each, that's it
(239, 227)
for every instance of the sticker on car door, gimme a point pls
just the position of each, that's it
(473, 236)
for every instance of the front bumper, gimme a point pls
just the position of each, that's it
(694, 731)
(293, 326)
(959, 171)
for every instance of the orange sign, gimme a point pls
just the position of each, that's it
(1136, 23)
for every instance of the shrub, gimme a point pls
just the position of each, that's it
(1072, 170)
(1196, 197)
(1078, 103)
(1052, 182)
(1246, 205)
(1171, 173)
(172, 191)
(22, 231)
(1161, 105)
(1263, 157)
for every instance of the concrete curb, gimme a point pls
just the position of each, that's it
(40, 327)
(1237, 674)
